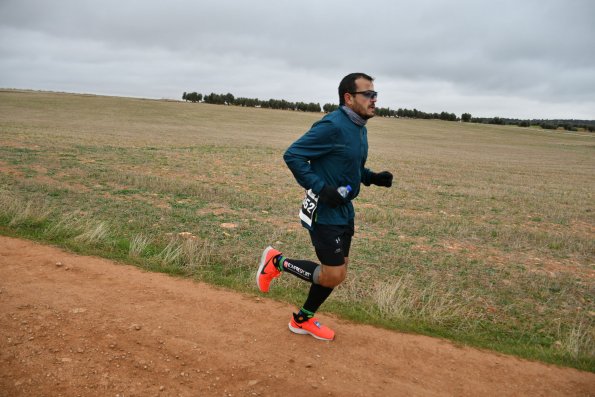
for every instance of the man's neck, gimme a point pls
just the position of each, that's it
(356, 118)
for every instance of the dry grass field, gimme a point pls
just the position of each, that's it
(487, 236)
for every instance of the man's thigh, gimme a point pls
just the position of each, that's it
(332, 243)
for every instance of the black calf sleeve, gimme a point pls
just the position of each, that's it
(300, 268)
(316, 297)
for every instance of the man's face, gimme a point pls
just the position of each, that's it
(360, 103)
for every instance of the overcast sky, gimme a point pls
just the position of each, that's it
(511, 58)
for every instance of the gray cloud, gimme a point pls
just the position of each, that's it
(513, 59)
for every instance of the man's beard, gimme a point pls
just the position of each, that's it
(366, 116)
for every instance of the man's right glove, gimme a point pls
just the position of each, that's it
(383, 178)
(331, 197)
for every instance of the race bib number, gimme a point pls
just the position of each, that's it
(309, 206)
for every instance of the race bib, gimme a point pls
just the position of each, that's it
(308, 209)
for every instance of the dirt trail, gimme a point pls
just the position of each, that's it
(73, 325)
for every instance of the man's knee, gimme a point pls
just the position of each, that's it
(332, 276)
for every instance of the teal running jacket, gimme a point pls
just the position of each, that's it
(333, 152)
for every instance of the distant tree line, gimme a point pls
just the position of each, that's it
(418, 114)
(568, 125)
(388, 112)
(229, 99)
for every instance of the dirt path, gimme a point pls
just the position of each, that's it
(73, 325)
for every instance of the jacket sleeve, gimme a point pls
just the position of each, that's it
(366, 173)
(366, 176)
(315, 143)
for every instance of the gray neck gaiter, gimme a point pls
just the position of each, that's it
(356, 118)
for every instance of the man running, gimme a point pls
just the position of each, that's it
(329, 162)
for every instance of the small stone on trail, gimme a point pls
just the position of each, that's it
(137, 327)
(59, 264)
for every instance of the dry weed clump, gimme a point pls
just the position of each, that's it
(138, 245)
(579, 340)
(21, 212)
(93, 233)
(401, 299)
(79, 228)
(64, 226)
(185, 251)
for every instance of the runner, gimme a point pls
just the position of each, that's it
(329, 162)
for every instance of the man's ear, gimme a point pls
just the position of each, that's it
(348, 98)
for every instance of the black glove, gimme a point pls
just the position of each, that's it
(383, 178)
(331, 197)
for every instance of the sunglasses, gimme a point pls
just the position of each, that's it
(367, 94)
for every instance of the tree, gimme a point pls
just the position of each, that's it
(548, 126)
(314, 107)
(466, 117)
(329, 107)
(192, 96)
(228, 98)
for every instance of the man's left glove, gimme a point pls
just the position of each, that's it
(383, 178)
(331, 197)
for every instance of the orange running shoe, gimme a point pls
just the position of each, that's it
(266, 269)
(312, 327)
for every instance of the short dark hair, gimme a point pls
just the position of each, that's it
(348, 84)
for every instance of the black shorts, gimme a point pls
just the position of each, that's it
(332, 243)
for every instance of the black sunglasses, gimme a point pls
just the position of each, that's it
(367, 94)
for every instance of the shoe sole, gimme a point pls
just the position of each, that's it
(302, 331)
(261, 266)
